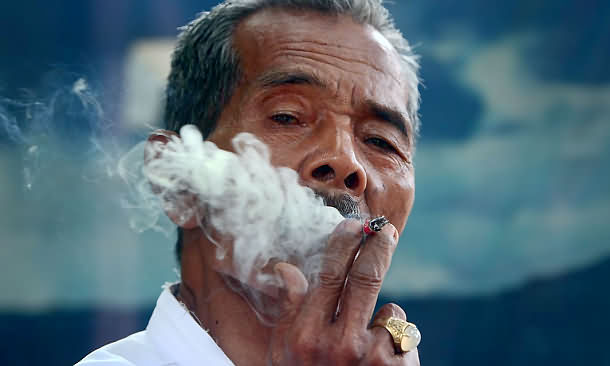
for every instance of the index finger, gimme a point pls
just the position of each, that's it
(366, 277)
(343, 244)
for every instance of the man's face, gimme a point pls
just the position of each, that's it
(328, 97)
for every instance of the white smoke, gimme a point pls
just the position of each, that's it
(261, 212)
(264, 209)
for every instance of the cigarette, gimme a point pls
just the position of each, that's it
(374, 225)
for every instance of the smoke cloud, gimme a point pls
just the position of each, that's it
(264, 210)
(261, 212)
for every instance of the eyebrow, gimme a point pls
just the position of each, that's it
(391, 116)
(386, 114)
(275, 78)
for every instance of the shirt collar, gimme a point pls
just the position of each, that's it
(178, 337)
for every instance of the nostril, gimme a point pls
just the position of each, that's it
(352, 181)
(323, 173)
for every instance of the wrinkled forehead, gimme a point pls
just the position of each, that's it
(336, 44)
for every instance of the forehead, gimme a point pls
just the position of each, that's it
(336, 49)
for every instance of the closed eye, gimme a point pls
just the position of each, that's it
(381, 144)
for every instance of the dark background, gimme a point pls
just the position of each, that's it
(505, 259)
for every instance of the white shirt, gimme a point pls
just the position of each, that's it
(172, 337)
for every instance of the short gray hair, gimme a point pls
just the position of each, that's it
(205, 67)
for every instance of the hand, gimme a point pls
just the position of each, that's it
(328, 324)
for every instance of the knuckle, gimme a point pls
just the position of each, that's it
(366, 279)
(331, 280)
(350, 351)
(349, 230)
(306, 346)
(380, 354)
(396, 310)
(384, 241)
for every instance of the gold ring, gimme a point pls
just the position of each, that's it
(406, 336)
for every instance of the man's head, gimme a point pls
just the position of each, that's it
(329, 85)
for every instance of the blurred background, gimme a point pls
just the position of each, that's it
(506, 256)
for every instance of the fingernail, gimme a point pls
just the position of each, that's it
(395, 234)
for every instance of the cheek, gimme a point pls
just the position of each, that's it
(393, 197)
(401, 207)
(285, 144)
(288, 149)
(284, 148)
(281, 157)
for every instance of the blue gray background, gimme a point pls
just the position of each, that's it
(505, 259)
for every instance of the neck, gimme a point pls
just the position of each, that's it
(222, 307)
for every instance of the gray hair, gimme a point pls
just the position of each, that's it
(205, 67)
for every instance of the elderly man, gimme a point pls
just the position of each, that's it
(331, 87)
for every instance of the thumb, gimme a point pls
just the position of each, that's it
(293, 288)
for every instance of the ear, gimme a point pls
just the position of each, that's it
(161, 138)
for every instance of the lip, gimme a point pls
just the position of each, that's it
(361, 216)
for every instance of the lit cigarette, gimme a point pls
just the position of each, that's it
(375, 225)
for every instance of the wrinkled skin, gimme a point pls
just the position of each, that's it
(317, 90)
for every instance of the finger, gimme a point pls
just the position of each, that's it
(293, 290)
(343, 244)
(366, 277)
(377, 356)
(410, 358)
(390, 310)
(384, 343)
(384, 350)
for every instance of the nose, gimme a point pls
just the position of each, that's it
(334, 164)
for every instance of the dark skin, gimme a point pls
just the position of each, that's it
(328, 97)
